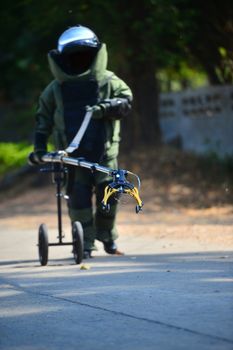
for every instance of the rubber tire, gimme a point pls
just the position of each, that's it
(78, 245)
(43, 244)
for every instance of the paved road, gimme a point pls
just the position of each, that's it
(143, 300)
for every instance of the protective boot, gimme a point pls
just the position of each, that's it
(110, 247)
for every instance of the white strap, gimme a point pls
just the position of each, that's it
(78, 137)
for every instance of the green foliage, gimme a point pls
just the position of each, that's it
(181, 78)
(13, 155)
(225, 70)
(137, 32)
(181, 42)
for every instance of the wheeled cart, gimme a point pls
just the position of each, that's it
(58, 174)
(56, 165)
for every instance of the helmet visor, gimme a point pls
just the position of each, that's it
(76, 62)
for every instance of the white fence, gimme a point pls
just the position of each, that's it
(201, 119)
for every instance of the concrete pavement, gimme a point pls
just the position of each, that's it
(148, 299)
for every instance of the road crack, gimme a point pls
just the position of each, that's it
(17, 287)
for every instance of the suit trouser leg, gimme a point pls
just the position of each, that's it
(80, 205)
(105, 222)
(97, 224)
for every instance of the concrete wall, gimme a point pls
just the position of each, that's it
(201, 119)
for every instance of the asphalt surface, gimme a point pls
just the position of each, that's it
(146, 299)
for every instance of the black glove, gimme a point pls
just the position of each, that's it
(40, 149)
(115, 108)
(35, 158)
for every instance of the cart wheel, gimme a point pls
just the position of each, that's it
(77, 233)
(43, 244)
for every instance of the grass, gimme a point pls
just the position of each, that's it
(13, 156)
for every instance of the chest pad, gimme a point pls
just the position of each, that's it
(76, 96)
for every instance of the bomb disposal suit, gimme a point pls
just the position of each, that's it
(81, 80)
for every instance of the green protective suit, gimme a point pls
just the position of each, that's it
(97, 224)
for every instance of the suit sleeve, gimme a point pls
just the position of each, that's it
(120, 102)
(44, 119)
(120, 89)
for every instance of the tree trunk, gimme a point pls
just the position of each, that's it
(140, 67)
(142, 127)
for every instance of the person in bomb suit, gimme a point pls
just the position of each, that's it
(81, 80)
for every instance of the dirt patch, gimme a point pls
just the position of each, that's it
(184, 199)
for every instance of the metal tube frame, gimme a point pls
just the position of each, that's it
(57, 171)
(61, 157)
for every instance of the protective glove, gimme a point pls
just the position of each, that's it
(35, 158)
(40, 148)
(114, 108)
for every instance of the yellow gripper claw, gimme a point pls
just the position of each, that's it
(133, 192)
(108, 192)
